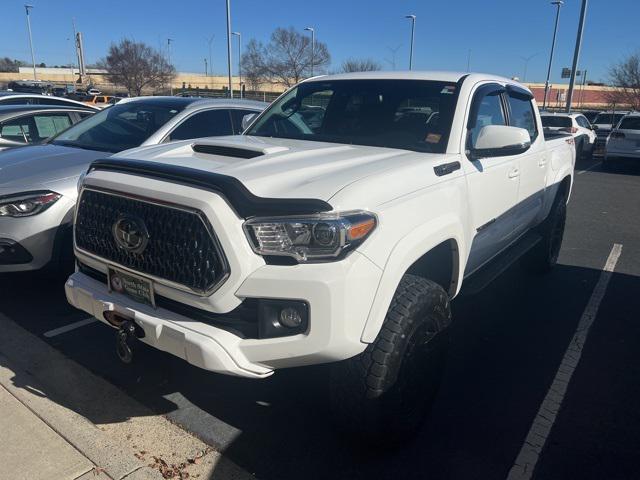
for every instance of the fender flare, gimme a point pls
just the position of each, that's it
(404, 254)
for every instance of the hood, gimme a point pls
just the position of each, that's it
(284, 168)
(43, 166)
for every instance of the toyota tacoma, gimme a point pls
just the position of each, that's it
(336, 229)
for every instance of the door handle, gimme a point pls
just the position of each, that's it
(514, 173)
(542, 162)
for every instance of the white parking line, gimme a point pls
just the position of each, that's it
(71, 326)
(529, 455)
(587, 169)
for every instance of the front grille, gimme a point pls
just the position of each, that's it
(181, 245)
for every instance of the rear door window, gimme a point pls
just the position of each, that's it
(211, 123)
(630, 123)
(51, 124)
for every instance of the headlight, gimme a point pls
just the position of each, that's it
(322, 237)
(27, 204)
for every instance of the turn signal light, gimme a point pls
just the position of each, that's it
(361, 229)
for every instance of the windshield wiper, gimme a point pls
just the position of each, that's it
(83, 146)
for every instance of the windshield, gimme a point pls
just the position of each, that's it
(118, 128)
(407, 114)
(608, 118)
(555, 121)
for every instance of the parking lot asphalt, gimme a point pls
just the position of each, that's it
(508, 342)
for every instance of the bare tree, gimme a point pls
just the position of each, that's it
(360, 65)
(286, 59)
(136, 66)
(8, 65)
(625, 77)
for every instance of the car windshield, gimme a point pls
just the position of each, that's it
(118, 128)
(407, 114)
(555, 121)
(630, 123)
(608, 118)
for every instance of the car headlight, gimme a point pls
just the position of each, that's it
(27, 204)
(322, 237)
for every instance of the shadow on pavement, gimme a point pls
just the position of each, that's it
(507, 343)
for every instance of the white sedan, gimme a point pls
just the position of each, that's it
(577, 125)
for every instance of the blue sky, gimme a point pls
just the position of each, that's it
(498, 32)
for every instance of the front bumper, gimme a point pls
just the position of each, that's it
(339, 296)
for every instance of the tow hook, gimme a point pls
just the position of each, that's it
(125, 339)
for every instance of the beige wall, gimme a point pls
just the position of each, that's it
(100, 80)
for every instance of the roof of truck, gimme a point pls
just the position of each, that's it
(438, 76)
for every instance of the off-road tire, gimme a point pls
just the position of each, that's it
(544, 256)
(384, 394)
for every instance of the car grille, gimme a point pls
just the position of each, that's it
(181, 245)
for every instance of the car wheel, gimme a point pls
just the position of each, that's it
(544, 256)
(384, 394)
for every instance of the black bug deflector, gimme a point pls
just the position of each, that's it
(245, 203)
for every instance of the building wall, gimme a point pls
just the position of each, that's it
(100, 80)
(589, 96)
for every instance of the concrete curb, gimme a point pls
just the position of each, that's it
(114, 431)
(83, 435)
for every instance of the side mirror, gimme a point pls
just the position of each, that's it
(500, 141)
(594, 127)
(246, 120)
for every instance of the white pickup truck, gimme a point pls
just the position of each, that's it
(336, 229)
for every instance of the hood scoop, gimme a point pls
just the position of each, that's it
(234, 151)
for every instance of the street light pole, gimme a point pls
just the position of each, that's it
(206, 72)
(33, 57)
(239, 35)
(526, 65)
(413, 30)
(229, 47)
(313, 47)
(558, 4)
(210, 41)
(169, 40)
(576, 53)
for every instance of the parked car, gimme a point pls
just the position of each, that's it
(575, 124)
(591, 114)
(30, 86)
(623, 141)
(9, 98)
(100, 101)
(28, 124)
(603, 125)
(38, 184)
(340, 240)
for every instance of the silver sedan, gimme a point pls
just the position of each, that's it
(38, 184)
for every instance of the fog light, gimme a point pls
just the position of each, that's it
(290, 317)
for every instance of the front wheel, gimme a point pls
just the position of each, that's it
(384, 394)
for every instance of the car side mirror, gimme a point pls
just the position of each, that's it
(246, 120)
(500, 141)
(594, 127)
